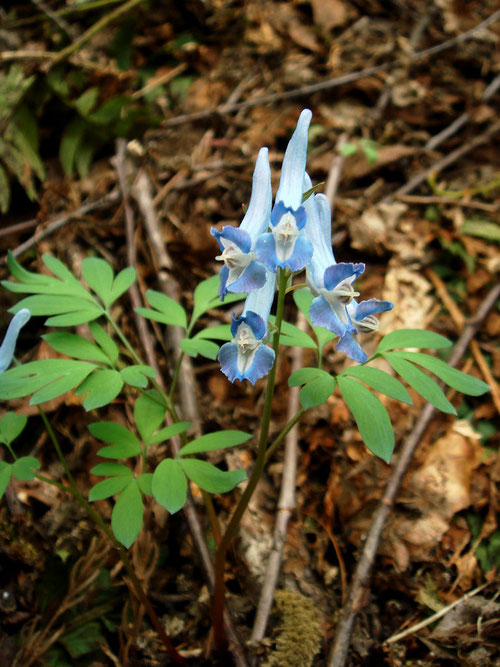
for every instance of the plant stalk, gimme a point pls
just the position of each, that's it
(260, 461)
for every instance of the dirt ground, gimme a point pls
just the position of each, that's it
(404, 100)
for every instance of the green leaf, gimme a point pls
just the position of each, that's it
(293, 336)
(412, 338)
(311, 191)
(87, 101)
(219, 332)
(80, 641)
(467, 384)
(145, 482)
(209, 478)
(71, 138)
(195, 346)
(167, 310)
(371, 417)
(74, 319)
(75, 346)
(149, 413)
(117, 435)
(169, 432)
(320, 386)
(206, 296)
(421, 382)
(170, 485)
(11, 425)
(23, 467)
(126, 518)
(114, 469)
(66, 278)
(5, 475)
(98, 274)
(348, 149)
(45, 379)
(48, 304)
(102, 387)
(212, 441)
(121, 283)
(137, 376)
(109, 487)
(105, 342)
(481, 228)
(380, 381)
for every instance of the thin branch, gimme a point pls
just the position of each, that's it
(448, 201)
(360, 580)
(446, 161)
(286, 503)
(56, 224)
(330, 83)
(439, 614)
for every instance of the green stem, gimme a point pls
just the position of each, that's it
(176, 376)
(123, 338)
(232, 527)
(281, 436)
(73, 489)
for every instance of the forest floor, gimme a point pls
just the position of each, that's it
(404, 98)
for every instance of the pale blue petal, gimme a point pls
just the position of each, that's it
(259, 364)
(265, 249)
(301, 255)
(236, 235)
(322, 315)
(340, 272)
(371, 307)
(294, 164)
(349, 345)
(252, 278)
(224, 275)
(260, 301)
(9, 342)
(257, 217)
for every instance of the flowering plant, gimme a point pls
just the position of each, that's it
(261, 260)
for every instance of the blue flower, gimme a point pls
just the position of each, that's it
(9, 342)
(331, 283)
(363, 318)
(241, 272)
(286, 244)
(247, 357)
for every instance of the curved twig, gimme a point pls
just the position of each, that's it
(360, 580)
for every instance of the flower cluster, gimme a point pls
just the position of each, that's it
(9, 342)
(295, 235)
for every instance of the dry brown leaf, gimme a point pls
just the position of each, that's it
(330, 14)
(409, 291)
(371, 231)
(358, 166)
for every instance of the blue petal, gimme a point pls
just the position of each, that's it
(261, 363)
(370, 307)
(278, 212)
(322, 315)
(265, 249)
(261, 300)
(224, 275)
(236, 235)
(228, 358)
(302, 253)
(256, 220)
(294, 164)
(318, 231)
(348, 344)
(9, 342)
(252, 278)
(340, 272)
(254, 321)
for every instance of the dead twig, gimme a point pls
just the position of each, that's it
(123, 168)
(446, 161)
(439, 614)
(142, 191)
(56, 224)
(330, 83)
(360, 580)
(286, 503)
(447, 201)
